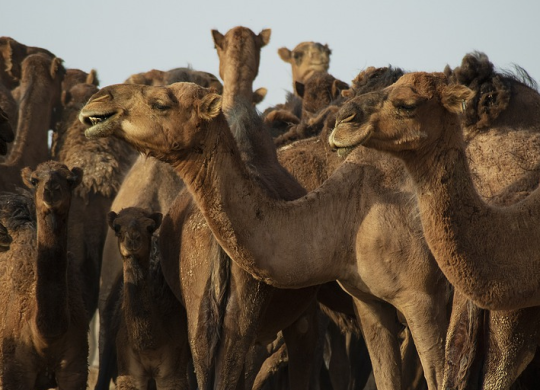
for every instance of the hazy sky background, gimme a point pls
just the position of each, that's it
(119, 38)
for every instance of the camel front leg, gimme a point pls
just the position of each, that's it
(301, 339)
(380, 328)
(427, 319)
(512, 342)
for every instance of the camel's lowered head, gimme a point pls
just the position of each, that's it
(168, 122)
(52, 184)
(409, 115)
(306, 58)
(134, 228)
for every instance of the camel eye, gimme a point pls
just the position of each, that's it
(34, 181)
(116, 228)
(160, 106)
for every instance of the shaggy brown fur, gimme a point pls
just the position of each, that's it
(40, 88)
(432, 127)
(5, 239)
(159, 77)
(286, 243)
(44, 331)
(151, 335)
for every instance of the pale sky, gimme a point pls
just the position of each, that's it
(119, 38)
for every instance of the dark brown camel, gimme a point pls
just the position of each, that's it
(44, 328)
(416, 120)
(290, 244)
(5, 239)
(40, 88)
(151, 334)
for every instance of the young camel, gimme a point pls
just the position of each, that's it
(288, 244)
(151, 334)
(416, 120)
(44, 328)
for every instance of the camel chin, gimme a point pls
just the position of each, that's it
(100, 130)
(346, 137)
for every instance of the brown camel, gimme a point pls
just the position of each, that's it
(300, 250)
(12, 54)
(44, 328)
(151, 338)
(306, 58)
(493, 116)
(416, 120)
(40, 88)
(5, 239)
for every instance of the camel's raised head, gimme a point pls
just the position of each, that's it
(53, 183)
(306, 58)
(134, 228)
(5, 239)
(406, 116)
(240, 41)
(160, 121)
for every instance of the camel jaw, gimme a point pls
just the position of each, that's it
(101, 124)
(344, 140)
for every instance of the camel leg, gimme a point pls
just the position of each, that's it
(513, 338)
(301, 339)
(380, 328)
(427, 319)
(270, 366)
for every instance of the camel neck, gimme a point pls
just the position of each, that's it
(31, 142)
(237, 84)
(138, 305)
(283, 243)
(51, 285)
(478, 247)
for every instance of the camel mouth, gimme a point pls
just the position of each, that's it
(345, 145)
(100, 124)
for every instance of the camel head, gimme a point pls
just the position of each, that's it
(407, 116)
(240, 41)
(319, 91)
(167, 122)
(5, 239)
(372, 79)
(52, 183)
(134, 228)
(306, 58)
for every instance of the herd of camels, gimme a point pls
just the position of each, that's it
(362, 235)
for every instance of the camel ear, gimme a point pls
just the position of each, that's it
(327, 49)
(26, 174)
(218, 38)
(347, 93)
(92, 78)
(455, 97)
(259, 95)
(285, 54)
(337, 87)
(111, 216)
(76, 177)
(209, 106)
(65, 98)
(264, 36)
(56, 65)
(300, 88)
(157, 218)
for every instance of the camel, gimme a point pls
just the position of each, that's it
(151, 338)
(44, 327)
(306, 58)
(420, 141)
(300, 249)
(40, 85)
(159, 77)
(12, 54)
(5, 239)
